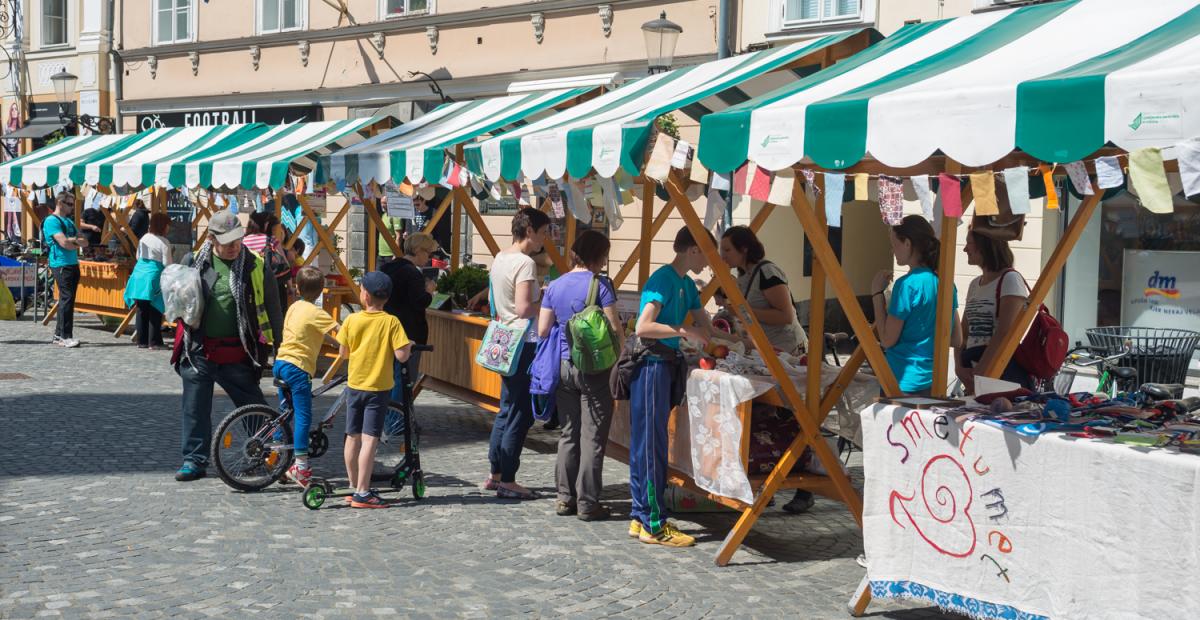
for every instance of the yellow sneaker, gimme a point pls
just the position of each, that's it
(670, 536)
(635, 528)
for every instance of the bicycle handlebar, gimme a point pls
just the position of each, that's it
(1074, 357)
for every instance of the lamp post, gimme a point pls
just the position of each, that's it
(661, 36)
(64, 90)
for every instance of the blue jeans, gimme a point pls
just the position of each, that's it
(514, 419)
(240, 382)
(300, 384)
(649, 411)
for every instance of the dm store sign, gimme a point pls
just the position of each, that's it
(1161, 289)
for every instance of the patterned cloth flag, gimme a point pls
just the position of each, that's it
(1048, 183)
(891, 200)
(1108, 172)
(951, 192)
(1149, 179)
(1077, 172)
(983, 188)
(1016, 184)
(556, 199)
(835, 188)
(760, 184)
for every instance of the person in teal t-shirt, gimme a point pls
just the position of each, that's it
(906, 326)
(668, 297)
(63, 242)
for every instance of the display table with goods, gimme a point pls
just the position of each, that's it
(1035, 507)
(733, 429)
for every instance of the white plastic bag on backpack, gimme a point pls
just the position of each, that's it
(182, 294)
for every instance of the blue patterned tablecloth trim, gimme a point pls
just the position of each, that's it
(947, 601)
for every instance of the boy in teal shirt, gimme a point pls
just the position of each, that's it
(668, 297)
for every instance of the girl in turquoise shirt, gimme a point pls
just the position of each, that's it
(905, 324)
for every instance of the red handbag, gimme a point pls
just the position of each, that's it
(1045, 345)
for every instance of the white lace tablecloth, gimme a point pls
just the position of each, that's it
(711, 455)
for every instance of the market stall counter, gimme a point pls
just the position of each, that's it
(1000, 519)
(450, 368)
(101, 289)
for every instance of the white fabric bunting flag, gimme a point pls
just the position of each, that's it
(1016, 183)
(1108, 173)
(911, 206)
(578, 202)
(781, 188)
(920, 184)
(714, 210)
(721, 182)
(612, 208)
(1079, 178)
(1188, 155)
(659, 165)
(835, 188)
(683, 153)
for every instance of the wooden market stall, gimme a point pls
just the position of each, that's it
(1027, 106)
(612, 136)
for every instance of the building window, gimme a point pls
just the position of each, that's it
(54, 23)
(173, 21)
(402, 8)
(281, 15)
(804, 11)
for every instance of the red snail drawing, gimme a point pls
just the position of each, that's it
(946, 497)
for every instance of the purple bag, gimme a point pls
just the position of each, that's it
(543, 374)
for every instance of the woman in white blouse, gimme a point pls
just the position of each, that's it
(153, 254)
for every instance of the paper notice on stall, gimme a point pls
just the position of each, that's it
(682, 155)
(782, 187)
(721, 182)
(835, 188)
(1016, 184)
(714, 210)
(1077, 172)
(1108, 172)
(612, 207)
(861, 187)
(983, 189)
(659, 165)
(891, 200)
(1149, 178)
(578, 202)
(950, 190)
(760, 184)
(1047, 173)
(1188, 156)
(987, 385)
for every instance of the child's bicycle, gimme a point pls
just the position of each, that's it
(252, 446)
(1114, 379)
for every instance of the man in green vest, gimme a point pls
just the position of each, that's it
(235, 337)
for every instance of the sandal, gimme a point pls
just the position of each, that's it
(506, 493)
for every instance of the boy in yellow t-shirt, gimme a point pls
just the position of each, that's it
(305, 328)
(372, 338)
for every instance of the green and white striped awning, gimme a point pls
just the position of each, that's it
(417, 150)
(225, 156)
(1057, 81)
(611, 131)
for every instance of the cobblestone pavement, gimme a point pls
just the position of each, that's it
(93, 525)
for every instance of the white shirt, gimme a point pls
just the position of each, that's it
(508, 270)
(979, 314)
(155, 248)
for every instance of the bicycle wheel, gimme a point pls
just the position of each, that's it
(252, 447)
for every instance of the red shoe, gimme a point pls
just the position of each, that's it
(300, 475)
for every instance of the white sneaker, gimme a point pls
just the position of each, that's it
(70, 343)
(57, 341)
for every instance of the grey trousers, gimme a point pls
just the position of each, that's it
(585, 411)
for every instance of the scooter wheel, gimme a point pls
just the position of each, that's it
(318, 443)
(314, 497)
(418, 487)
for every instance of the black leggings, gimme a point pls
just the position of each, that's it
(149, 324)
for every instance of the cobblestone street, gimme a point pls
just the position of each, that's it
(92, 524)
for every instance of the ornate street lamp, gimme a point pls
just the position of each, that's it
(661, 36)
(64, 90)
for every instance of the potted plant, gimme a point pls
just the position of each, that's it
(463, 283)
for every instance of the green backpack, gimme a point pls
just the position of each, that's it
(593, 342)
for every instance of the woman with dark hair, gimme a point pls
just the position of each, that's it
(260, 239)
(585, 403)
(143, 290)
(994, 300)
(765, 287)
(905, 324)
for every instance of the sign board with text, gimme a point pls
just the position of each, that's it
(1161, 289)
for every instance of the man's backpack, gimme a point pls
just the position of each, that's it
(277, 262)
(1044, 347)
(593, 343)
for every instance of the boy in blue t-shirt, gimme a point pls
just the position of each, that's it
(63, 241)
(668, 297)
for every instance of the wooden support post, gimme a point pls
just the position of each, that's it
(437, 215)
(806, 416)
(125, 322)
(943, 321)
(816, 303)
(570, 238)
(647, 234)
(456, 212)
(1049, 275)
(323, 239)
(337, 219)
(823, 252)
(78, 205)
